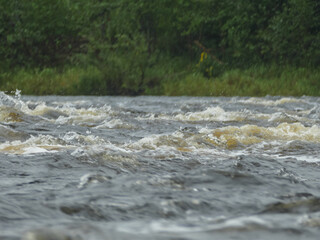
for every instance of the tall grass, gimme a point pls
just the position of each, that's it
(48, 81)
(254, 81)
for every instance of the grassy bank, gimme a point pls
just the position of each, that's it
(254, 81)
(45, 82)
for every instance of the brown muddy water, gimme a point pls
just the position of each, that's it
(108, 168)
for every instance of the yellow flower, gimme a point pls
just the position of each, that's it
(203, 56)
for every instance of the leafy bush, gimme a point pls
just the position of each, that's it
(38, 33)
(131, 47)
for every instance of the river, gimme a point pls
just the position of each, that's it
(174, 168)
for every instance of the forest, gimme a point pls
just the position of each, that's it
(161, 47)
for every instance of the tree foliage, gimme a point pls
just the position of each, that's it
(38, 33)
(128, 39)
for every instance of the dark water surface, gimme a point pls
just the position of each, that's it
(100, 168)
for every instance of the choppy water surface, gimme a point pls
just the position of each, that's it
(95, 168)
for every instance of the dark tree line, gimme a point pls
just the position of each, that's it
(127, 39)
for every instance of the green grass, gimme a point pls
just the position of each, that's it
(48, 81)
(255, 81)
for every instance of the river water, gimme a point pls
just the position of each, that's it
(108, 168)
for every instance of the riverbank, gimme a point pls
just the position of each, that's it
(254, 81)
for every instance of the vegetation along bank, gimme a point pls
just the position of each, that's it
(167, 47)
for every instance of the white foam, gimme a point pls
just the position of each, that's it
(306, 158)
(114, 123)
(34, 145)
(212, 114)
(265, 102)
(74, 138)
(84, 116)
(33, 150)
